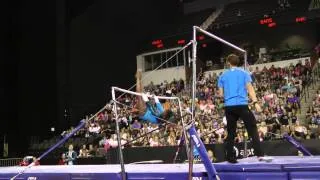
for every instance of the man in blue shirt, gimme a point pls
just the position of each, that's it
(234, 85)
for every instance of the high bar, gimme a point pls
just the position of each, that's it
(219, 39)
(140, 94)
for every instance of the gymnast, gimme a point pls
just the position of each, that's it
(151, 110)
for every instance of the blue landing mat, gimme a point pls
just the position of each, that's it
(281, 168)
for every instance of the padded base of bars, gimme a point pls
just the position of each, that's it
(281, 168)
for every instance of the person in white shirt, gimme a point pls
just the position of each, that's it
(71, 155)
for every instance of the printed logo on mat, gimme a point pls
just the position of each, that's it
(197, 178)
(195, 139)
(240, 153)
(32, 178)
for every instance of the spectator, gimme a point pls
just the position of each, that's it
(113, 141)
(154, 141)
(211, 156)
(94, 128)
(83, 152)
(92, 150)
(28, 160)
(136, 126)
(71, 156)
(62, 160)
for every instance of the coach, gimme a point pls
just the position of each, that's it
(234, 85)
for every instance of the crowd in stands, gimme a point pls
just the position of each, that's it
(278, 90)
(313, 117)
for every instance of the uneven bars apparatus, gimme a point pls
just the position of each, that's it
(191, 129)
(123, 173)
(245, 55)
(140, 94)
(297, 145)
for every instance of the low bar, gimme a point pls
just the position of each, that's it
(140, 94)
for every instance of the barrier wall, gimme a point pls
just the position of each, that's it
(267, 65)
(167, 74)
(167, 153)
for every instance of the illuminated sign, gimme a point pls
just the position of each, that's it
(159, 46)
(156, 42)
(266, 21)
(175, 41)
(200, 38)
(301, 19)
(181, 41)
(272, 25)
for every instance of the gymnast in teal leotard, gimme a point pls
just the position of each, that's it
(151, 111)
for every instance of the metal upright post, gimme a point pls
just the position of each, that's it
(123, 172)
(245, 60)
(194, 70)
(194, 83)
(184, 131)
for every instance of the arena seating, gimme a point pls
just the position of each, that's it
(246, 11)
(279, 91)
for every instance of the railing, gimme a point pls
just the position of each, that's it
(10, 162)
(310, 82)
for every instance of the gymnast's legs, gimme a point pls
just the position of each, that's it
(141, 104)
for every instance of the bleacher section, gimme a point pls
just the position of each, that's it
(194, 19)
(246, 11)
(280, 86)
(251, 10)
(186, 22)
(209, 106)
